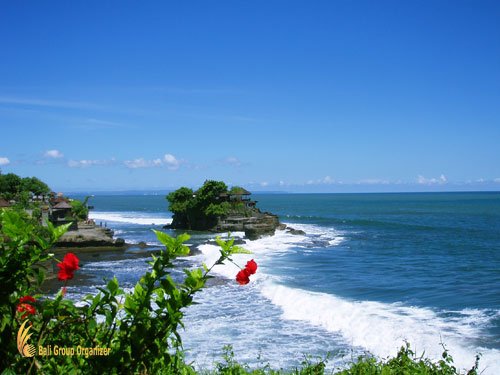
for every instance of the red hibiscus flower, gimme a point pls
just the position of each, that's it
(26, 308)
(251, 267)
(67, 267)
(243, 277)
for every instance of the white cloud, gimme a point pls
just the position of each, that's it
(54, 154)
(171, 162)
(432, 181)
(497, 180)
(233, 161)
(327, 180)
(168, 160)
(137, 163)
(373, 181)
(264, 183)
(4, 161)
(87, 163)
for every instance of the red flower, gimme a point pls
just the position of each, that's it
(67, 267)
(71, 260)
(243, 277)
(251, 267)
(26, 308)
(27, 299)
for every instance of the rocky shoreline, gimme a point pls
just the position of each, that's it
(255, 226)
(258, 225)
(88, 235)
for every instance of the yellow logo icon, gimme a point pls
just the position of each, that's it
(26, 350)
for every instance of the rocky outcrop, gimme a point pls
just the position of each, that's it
(297, 232)
(89, 237)
(256, 225)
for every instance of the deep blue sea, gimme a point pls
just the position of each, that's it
(371, 272)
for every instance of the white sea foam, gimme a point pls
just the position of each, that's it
(262, 249)
(380, 328)
(136, 242)
(130, 217)
(314, 233)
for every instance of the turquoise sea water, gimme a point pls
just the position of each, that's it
(372, 271)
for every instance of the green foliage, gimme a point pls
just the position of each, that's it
(406, 362)
(240, 209)
(218, 209)
(23, 248)
(34, 185)
(11, 186)
(198, 210)
(229, 366)
(228, 248)
(237, 190)
(79, 210)
(141, 327)
(179, 200)
(210, 192)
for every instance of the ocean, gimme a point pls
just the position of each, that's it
(371, 272)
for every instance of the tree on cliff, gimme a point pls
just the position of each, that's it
(180, 202)
(13, 187)
(200, 209)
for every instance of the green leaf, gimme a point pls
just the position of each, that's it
(174, 246)
(240, 250)
(138, 290)
(130, 304)
(113, 285)
(57, 232)
(194, 279)
(181, 238)
(164, 238)
(92, 324)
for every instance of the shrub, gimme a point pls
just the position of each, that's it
(79, 210)
(140, 328)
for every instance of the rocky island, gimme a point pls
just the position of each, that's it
(216, 208)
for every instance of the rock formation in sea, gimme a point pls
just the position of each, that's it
(216, 208)
(89, 236)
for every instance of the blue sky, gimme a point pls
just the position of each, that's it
(299, 96)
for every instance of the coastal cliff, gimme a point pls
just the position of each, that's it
(216, 208)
